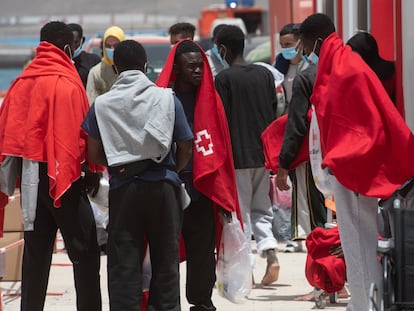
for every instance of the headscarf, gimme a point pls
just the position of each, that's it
(113, 31)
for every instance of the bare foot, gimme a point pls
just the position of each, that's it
(272, 274)
(343, 293)
(307, 297)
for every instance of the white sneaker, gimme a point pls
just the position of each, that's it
(293, 247)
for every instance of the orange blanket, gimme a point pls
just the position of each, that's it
(41, 115)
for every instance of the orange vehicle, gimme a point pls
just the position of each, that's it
(251, 16)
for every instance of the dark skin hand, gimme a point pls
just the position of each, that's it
(281, 179)
(336, 250)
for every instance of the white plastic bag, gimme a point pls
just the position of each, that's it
(234, 271)
(320, 175)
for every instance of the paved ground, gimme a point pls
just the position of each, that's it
(280, 296)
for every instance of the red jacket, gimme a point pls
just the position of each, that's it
(41, 115)
(364, 140)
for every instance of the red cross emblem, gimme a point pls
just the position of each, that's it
(203, 143)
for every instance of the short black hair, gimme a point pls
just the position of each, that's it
(232, 37)
(186, 46)
(129, 55)
(365, 45)
(77, 28)
(57, 33)
(186, 29)
(217, 29)
(290, 29)
(317, 26)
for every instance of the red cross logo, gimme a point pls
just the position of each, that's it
(203, 143)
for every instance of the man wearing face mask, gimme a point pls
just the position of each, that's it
(249, 99)
(102, 76)
(83, 61)
(217, 63)
(289, 61)
(41, 142)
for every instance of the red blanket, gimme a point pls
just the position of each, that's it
(365, 142)
(213, 167)
(324, 270)
(272, 139)
(41, 115)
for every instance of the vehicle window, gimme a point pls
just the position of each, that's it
(156, 54)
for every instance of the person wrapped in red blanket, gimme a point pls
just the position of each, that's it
(366, 146)
(40, 132)
(210, 177)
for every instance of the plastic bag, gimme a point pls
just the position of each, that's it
(234, 271)
(320, 175)
(101, 216)
(282, 199)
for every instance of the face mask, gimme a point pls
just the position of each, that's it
(289, 53)
(68, 50)
(313, 58)
(110, 53)
(215, 51)
(77, 52)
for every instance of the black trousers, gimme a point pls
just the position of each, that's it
(199, 234)
(138, 211)
(74, 218)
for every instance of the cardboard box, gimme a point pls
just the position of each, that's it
(11, 259)
(13, 219)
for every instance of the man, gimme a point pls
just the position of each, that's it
(217, 63)
(144, 185)
(359, 125)
(83, 61)
(308, 204)
(102, 76)
(180, 31)
(366, 45)
(289, 61)
(41, 141)
(209, 178)
(249, 98)
(100, 80)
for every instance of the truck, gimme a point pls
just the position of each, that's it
(234, 12)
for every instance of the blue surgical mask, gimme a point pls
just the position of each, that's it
(110, 53)
(289, 53)
(305, 58)
(313, 58)
(77, 52)
(215, 51)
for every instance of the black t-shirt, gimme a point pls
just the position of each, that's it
(249, 98)
(83, 63)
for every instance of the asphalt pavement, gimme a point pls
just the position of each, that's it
(279, 296)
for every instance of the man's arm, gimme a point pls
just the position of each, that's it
(296, 127)
(183, 153)
(96, 151)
